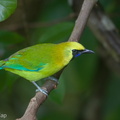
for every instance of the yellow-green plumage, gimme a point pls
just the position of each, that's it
(40, 61)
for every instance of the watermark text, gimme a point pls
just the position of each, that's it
(3, 115)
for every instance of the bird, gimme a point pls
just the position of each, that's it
(42, 60)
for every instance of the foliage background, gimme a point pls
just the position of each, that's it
(88, 89)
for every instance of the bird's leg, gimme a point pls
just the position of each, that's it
(53, 79)
(40, 89)
(48, 78)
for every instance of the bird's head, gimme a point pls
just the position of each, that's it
(77, 49)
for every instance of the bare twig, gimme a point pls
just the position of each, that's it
(108, 35)
(82, 19)
(39, 98)
(36, 101)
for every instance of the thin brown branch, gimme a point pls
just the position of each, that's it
(82, 19)
(108, 35)
(39, 98)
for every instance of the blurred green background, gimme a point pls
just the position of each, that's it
(88, 89)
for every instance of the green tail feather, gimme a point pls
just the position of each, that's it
(1, 64)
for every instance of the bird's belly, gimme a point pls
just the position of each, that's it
(31, 76)
(35, 76)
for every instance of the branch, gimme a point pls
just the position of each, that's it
(108, 35)
(49, 85)
(36, 101)
(82, 19)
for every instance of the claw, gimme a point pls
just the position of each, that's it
(40, 89)
(53, 79)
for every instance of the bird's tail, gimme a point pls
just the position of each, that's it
(1, 64)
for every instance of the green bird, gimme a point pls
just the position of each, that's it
(42, 60)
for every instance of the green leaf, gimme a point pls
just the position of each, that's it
(8, 37)
(59, 32)
(55, 9)
(7, 7)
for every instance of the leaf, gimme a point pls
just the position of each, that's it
(7, 7)
(56, 9)
(8, 37)
(52, 11)
(59, 32)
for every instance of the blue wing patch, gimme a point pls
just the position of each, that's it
(1, 68)
(20, 67)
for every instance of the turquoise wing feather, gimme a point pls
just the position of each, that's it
(24, 64)
(1, 64)
(26, 61)
(20, 67)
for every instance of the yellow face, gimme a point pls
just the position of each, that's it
(75, 49)
(71, 46)
(75, 45)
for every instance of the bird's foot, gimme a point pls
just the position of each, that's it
(43, 91)
(53, 79)
(40, 89)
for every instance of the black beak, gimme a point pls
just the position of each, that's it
(77, 53)
(86, 51)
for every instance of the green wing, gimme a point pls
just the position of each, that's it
(33, 58)
(24, 62)
(21, 67)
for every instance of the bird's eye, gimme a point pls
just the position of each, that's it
(75, 53)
